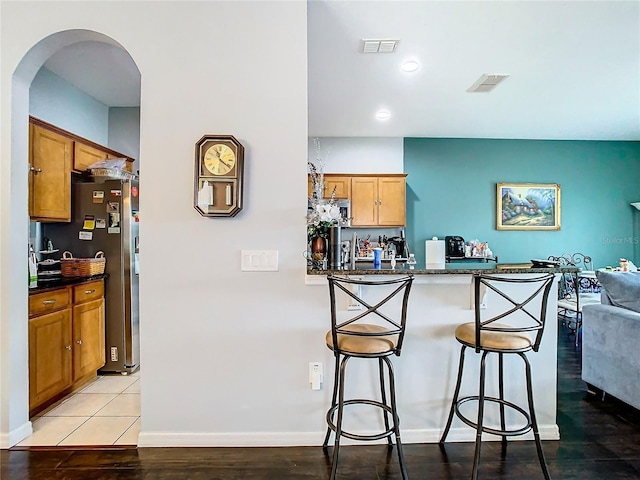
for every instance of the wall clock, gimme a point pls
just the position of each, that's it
(219, 176)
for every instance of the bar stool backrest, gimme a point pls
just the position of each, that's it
(567, 286)
(529, 309)
(393, 318)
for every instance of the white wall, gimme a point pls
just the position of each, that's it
(225, 352)
(204, 324)
(358, 154)
(124, 132)
(56, 101)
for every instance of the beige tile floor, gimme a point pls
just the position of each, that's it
(105, 412)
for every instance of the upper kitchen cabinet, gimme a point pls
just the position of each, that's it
(53, 155)
(378, 200)
(50, 156)
(85, 155)
(341, 183)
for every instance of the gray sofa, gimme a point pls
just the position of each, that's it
(611, 338)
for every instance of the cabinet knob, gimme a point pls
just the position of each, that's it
(49, 302)
(35, 170)
(68, 347)
(89, 292)
(79, 342)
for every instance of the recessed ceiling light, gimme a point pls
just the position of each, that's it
(410, 66)
(383, 115)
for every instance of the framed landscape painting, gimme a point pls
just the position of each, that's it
(528, 206)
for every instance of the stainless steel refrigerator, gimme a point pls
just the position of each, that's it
(104, 217)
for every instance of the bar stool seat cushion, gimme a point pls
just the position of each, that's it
(503, 341)
(362, 344)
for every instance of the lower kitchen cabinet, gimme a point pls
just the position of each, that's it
(50, 356)
(88, 338)
(66, 340)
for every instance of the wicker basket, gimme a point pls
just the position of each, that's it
(82, 267)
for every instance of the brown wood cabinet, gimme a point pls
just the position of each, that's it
(85, 155)
(53, 155)
(66, 340)
(378, 201)
(341, 183)
(88, 329)
(50, 348)
(50, 157)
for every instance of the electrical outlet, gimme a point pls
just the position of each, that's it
(114, 354)
(315, 375)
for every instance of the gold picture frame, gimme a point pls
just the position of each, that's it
(528, 206)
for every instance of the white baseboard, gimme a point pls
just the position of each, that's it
(313, 439)
(240, 439)
(15, 436)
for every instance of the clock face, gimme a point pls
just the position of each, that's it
(219, 159)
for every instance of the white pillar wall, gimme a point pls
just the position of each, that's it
(224, 353)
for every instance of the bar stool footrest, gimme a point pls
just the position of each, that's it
(475, 398)
(355, 436)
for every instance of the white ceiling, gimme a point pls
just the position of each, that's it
(574, 69)
(105, 72)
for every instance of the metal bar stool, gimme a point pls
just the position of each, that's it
(526, 319)
(383, 337)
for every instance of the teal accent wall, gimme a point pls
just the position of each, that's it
(451, 190)
(56, 101)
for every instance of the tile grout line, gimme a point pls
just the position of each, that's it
(125, 431)
(68, 434)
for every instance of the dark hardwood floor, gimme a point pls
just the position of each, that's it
(599, 440)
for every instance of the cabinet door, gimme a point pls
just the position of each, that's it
(340, 183)
(392, 201)
(88, 338)
(50, 176)
(49, 355)
(84, 156)
(364, 199)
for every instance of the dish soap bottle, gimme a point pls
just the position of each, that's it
(411, 261)
(33, 268)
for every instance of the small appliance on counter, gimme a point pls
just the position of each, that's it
(454, 247)
(49, 268)
(435, 254)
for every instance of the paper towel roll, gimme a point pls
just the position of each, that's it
(435, 253)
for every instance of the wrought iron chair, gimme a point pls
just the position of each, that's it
(575, 290)
(349, 337)
(526, 316)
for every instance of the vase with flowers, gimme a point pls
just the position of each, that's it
(322, 215)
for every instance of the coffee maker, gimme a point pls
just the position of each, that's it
(454, 247)
(399, 245)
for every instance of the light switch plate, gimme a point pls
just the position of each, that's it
(259, 260)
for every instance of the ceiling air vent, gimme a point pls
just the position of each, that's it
(486, 83)
(379, 46)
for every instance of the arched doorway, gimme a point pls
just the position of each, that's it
(14, 227)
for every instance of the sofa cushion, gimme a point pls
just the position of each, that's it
(623, 289)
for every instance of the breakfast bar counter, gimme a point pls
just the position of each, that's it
(440, 300)
(449, 269)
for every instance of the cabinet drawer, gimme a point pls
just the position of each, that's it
(45, 302)
(88, 291)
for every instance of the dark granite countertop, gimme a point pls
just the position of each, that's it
(450, 268)
(44, 286)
